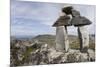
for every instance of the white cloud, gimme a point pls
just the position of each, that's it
(45, 13)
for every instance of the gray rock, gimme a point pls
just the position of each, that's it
(80, 21)
(91, 55)
(75, 13)
(67, 10)
(83, 57)
(47, 55)
(62, 42)
(71, 56)
(62, 20)
(84, 38)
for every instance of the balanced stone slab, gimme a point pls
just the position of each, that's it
(62, 21)
(80, 21)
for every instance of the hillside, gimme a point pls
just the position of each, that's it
(74, 42)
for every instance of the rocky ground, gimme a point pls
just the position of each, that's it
(40, 54)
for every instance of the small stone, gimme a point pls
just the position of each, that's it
(67, 10)
(75, 13)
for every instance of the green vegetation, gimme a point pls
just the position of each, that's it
(74, 42)
(75, 45)
(49, 39)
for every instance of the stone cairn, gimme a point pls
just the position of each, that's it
(68, 17)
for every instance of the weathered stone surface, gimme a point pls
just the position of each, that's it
(91, 54)
(47, 55)
(71, 56)
(83, 37)
(75, 13)
(80, 21)
(66, 40)
(54, 56)
(71, 11)
(62, 42)
(62, 20)
(67, 10)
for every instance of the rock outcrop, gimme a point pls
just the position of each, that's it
(46, 55)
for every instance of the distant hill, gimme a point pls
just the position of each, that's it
(74, 41)
(52, 37)
(48, 37)
(22, 37)
(50, 40)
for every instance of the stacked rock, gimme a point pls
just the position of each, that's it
(71, 17)
(62, 42)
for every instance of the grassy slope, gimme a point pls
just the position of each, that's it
(74, 42)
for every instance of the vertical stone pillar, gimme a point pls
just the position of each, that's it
(62, 42)
(66, 39)
(83, 38)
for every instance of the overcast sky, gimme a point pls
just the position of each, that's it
(34, 18)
